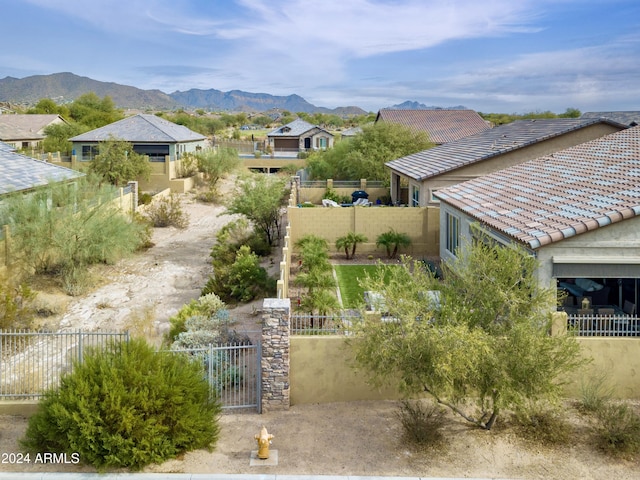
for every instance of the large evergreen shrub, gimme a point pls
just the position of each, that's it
(127, 406)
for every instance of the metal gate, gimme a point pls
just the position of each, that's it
(233, 372)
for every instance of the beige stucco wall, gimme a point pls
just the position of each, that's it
(321, 373)
(421, 224)
(316, 194)
(509, 159)
(615, 358)
(321, 370)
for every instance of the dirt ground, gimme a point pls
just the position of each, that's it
(356, 438)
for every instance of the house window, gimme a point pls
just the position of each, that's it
(89, 152)
(415, 196)
(156, 153)
(452, 232)
(433, 199)
(321, 142)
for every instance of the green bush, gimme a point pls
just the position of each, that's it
(246, 277)
(167, 212)
(618, 430)
(422, 423)
(145, 198)
(127, 406)
(331, 194)
(595, 393)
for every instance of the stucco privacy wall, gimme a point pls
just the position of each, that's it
(316, 194)
(420, 223)
(321, 372)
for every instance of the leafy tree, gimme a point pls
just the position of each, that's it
(58, 135)
(48, 106)
(215, 164)
(365, 155)
(118, 163)
(127, 406)
(350, 242)
(392, 240)
(93, 111)
(260, 199)
(485, 339)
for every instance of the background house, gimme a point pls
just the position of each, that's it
(26, 131)
(443, 126)
(299, 136)
(471, 157)
(629, 118)
(161, 141)
(577, 210)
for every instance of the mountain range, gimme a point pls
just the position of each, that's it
(66, 87)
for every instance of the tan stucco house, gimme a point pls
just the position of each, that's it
(577, 210)
(26, 131)
(299, 136)
(426, 172)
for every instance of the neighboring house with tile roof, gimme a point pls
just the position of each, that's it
(19, 173)
(629, 118)
(26, 131)
(161, 141)
(299, 136)
(444, 165)
(577, 210)
(443, 126)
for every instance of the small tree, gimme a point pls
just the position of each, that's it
(260, 198)
(485, 340)
(216, 164)
(392, 240)
(349, 242)
(118, 163)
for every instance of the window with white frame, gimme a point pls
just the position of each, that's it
(452, 232)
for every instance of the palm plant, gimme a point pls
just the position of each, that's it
(392, 240)
(349, 242)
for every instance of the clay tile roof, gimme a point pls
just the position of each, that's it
(141, 128)
(485, 145)
(557, 196)
(443, 126)
(630, 118)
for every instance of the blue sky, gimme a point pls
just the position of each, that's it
(510, 56)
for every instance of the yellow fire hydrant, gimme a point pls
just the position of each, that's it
(264, 440)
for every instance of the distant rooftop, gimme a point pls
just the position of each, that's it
(629, 117)
(25, 126)
(292, 129)
(484, 145)
(141, 128)
(443, 126)
(557, 196)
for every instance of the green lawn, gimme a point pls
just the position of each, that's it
(350, 291)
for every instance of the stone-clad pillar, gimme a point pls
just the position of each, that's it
(275, 354)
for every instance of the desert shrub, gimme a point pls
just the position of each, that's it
(75, 279)
(206, 306)
(422, 422)
(188, 166)
(618, 430)
(258, 244)
(146, 231)
(167, 212)
(127, 406)
(246, 277)
(210, 195)
(542, 424)
(16, 305)
(595, 393)
(145, 198)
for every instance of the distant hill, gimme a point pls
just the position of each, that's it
(409, 105)
(66, 87)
